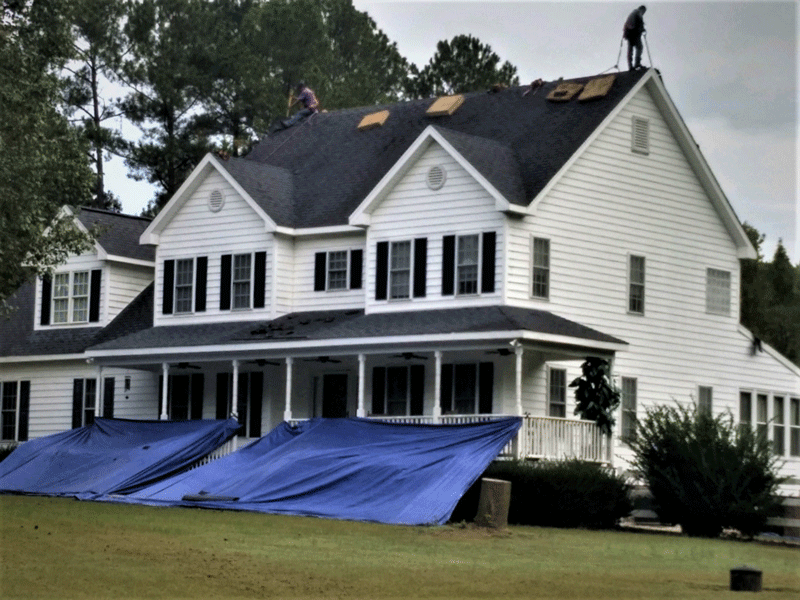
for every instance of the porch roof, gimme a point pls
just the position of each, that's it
(350, 327)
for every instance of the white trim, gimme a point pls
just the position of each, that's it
(770, 351)
(130, 261)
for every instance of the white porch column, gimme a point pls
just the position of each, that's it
(287, 414)
(98, 409)
(518, 382)
(235, 391)
(164, 390)
(437, 389)
(362, 360)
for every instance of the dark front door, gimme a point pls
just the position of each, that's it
(334, 396)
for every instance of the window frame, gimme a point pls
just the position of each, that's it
(762, 414)
(794, 426)
(89, 398)
(705, 399)
(70, 297)
(557, 392)
(540, 264)
(778, 424)
(394, 271)
(14, 411)
(462, 267)
(191, 286)
(249, 281)
(718, 297)
(635, 286)
(629, 402)
(329, 271)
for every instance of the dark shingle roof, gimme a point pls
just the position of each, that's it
(327, 326)
(118, 234)
(517, 142)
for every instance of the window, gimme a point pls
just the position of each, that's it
(184, 285)
(398, 390)
(704, 400)
(467, 388)
(557, 393)
(761, 415)
(541, 268)
(640, 135)
(400, 270)
(778, 429)
(467, 264)
(745, 409)
(71, 297)
(718, 292)
(794, 426)
(636, 285)
(242, 274)
(84, 402)
(628, 433)
(338, 270)
(14, 410)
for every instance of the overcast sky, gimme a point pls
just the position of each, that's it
(731, 68)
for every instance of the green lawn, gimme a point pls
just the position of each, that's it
(58, 548)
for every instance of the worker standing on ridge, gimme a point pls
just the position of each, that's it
(310, 104)
(632, 31)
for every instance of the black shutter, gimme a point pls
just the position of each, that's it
(24, 410)
(320, 266)
(417, 388)
(108, 398)
(356, 268)
(485, 387)
(260, 280)
(201, 284)
(381, 270)
(223, 384)
(487, 271)
(169, 287)
(446, 389)
(94, 296)
(448, 265)
(378, 390)
(77, 403)
(420, 267)
(47, 291)
(196, 401)
(225, 282)
(256, 393)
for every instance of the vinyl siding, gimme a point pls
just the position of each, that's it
(123, 284)
(305, 297)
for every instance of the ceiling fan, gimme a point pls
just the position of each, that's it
(501, 351)
(323, 359)
(186, 365)
(410, 356)
(261, 362)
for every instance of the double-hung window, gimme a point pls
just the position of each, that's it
(794, 426)
(338, 270)
(467, 388)
(14, 410)
(557, 393)
(778, 427)
(241, 280)
(636, 284)
(398, 390)
(541, 268)
(184, 285)
(467, 264)
(704, 399)
(762, 402)
(718, 292)
(70, 297)
(745, 410)
(628, 432)
(400, 270)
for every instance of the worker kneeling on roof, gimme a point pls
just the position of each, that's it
(310, 104)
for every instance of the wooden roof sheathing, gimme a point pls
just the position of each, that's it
(373, 120)
(596, 88)
(444, 106)
(564, 92)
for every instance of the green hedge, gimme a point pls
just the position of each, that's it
(555, 494)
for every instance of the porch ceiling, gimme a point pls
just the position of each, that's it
(347, 331)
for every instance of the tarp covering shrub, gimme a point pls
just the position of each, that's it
(569, 493)
(706, 473)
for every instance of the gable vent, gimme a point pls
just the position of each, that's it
(564, 92)
(596, 88)
(437, 175)
(216, 201)
(444, 106)
(374, 120)
(640, 135)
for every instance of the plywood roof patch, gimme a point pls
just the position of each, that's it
(597, 88)
(444, 106)
(373, 120)
(564, 92)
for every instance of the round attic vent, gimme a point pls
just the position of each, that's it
(436, 177)
(216, 201)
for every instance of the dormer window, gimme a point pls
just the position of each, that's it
(72, 297)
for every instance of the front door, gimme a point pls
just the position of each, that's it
(334, 396)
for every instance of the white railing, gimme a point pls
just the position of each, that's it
(229, 447)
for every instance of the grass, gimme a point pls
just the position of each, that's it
(60, 548)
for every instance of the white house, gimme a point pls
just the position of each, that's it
(441, 260)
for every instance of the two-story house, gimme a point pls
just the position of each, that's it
(442, 260)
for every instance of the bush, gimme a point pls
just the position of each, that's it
(5, 451)
(705, 473)
(555, 494)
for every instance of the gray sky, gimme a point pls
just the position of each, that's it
(731, 68)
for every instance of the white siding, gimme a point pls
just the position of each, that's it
(412, 210)
(304, 253)
(283, 273)
(196, 231)
(123, 283)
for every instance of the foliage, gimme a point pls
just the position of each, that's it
(43, 160)
(706, 473)
(569, 493)
(596, 398)
(463, 64)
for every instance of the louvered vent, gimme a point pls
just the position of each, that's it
(437, 175)
(216, 201)
(640, 135)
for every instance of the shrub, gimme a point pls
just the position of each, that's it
(5, 451)
(705, 473)
(569, 493)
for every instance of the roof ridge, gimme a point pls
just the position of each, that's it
(113, 213)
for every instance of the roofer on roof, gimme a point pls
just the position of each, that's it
(310, 104)
(632, 31)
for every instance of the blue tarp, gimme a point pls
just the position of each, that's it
(111, 456)
(355, 469)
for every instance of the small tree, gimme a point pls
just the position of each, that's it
(596, 397)
(706, 473)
